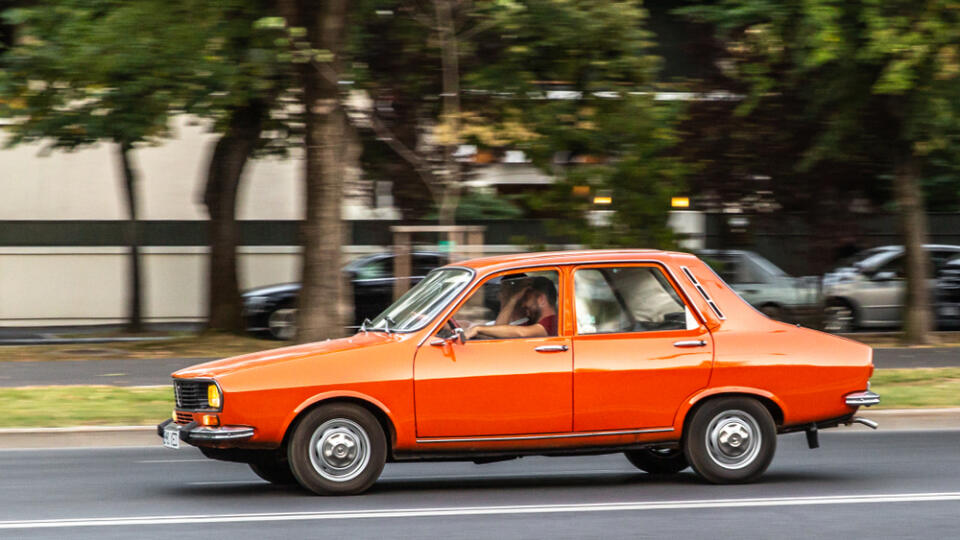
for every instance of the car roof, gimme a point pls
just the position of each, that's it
(546, 258)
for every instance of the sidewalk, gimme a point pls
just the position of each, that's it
(127, 436)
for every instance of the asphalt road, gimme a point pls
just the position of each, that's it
(858, 484)
(157, 371)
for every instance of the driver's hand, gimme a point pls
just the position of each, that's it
(471, 332)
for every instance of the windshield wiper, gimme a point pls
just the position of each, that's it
(363, 325)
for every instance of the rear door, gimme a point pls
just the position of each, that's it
(639, 351)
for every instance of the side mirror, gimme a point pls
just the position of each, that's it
(458, 335)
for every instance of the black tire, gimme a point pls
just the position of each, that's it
(658, 460)
(356, 450)
(274, 470)
(839, 317)
(731, 440)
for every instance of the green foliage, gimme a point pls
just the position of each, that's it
(545, 77)
(475, 206)
(90, 70)
(882, 78)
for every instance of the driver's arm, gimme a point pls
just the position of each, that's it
(507, 331)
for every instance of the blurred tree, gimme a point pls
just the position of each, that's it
(878, 81)
(543, 76)
(318, 36)
(83, 72)
(79, 74)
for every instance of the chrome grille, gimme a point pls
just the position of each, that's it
(191, 395)
(184, 417)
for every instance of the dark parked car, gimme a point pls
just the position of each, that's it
(273, 308)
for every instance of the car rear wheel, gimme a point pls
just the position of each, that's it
(282, 323)
(731, 440)
(274, 470)
(658, 460)
(337, 449)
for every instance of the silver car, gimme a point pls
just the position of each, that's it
(765, 286)
(868, 291)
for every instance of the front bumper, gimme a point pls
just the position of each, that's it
(195, 434)
(862, 399)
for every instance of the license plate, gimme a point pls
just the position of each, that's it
(171, 436)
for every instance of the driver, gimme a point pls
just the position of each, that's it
(539, 301)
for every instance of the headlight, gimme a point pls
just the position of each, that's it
(214, 399)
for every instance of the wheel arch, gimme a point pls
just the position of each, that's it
(379, 411)
(767, 399)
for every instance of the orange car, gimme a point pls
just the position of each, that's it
(643, 352)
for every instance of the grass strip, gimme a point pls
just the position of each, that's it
(60, 406)
(917, 387)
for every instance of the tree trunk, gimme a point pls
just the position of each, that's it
(230, 156)
(451, 110)
(322, 298)
(917, 317)
(134, 294)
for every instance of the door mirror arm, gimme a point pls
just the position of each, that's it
(458, 335)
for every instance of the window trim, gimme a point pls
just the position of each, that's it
(656, 265)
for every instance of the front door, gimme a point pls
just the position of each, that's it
(498, 385)
(638, 350)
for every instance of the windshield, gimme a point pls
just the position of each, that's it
(423, 303)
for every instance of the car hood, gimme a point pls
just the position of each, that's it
(220, 368)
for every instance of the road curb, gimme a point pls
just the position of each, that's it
(126, 436)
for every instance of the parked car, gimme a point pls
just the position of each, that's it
(643, 352)
(765, 286)
(868, 292)
(273, 308)
(947, 305)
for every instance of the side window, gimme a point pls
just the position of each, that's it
(627, 299)
(517, 299)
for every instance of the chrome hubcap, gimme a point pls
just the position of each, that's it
(733, 439)
(339, 450)
(283, 323)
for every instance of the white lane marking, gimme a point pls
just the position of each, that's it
(480, 510)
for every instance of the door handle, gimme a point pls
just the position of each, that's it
(551, 348)
(692, 343)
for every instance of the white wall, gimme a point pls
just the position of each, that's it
(87, 184)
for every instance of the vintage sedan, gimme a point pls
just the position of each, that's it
(643, 352)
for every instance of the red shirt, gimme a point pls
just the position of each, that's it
(550, 324)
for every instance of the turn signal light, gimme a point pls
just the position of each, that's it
(213, 396)
(210, 420)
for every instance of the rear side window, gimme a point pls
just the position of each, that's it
(627, 299)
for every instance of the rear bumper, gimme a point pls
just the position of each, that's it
(862, 399)
(195, 434)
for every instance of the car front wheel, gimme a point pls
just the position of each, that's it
(282, 323)
(731, 440)
(337, 449)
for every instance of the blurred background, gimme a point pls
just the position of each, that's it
(288, 167)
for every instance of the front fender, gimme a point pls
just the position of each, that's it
(334, 395)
